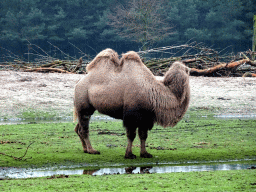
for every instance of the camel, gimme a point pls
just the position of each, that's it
(126, 89)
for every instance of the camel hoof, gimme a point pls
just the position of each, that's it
(146, 155)
(94, 152)
(130, 156)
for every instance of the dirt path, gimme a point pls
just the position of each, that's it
(53, 92)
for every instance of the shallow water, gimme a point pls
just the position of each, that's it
(107, 118)
(236, 116)
(50, 120)
(18, 173)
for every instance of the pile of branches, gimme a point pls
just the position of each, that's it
(39, 60)
(203, 61)
(55, 66)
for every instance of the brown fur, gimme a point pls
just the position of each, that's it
(108, 54)
(128, 90)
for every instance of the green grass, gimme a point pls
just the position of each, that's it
(242, 180)
(191, 140)
(30, 114)
(35, 114)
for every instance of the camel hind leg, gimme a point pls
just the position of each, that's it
(82, 129)
(143, 134)
(146, 124)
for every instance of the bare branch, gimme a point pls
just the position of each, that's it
(18, 158)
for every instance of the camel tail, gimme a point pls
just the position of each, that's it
(74, 115)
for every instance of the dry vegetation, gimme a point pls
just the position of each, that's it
(202, 60)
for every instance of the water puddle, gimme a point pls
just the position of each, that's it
(18, 173)
(236, 116)
(51, 120)
(107, 118)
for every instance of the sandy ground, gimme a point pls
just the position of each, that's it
(22, 91)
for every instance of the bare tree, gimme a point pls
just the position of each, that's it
(141, 20)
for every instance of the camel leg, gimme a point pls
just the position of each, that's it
(77, 130)
(131, 134)
(84, 135)
(143, 134)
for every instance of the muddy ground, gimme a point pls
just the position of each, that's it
(53, 92)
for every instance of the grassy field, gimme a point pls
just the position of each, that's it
(199, 140)
(193, 139)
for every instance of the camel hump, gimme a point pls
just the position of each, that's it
(105, 54)
(130, 55)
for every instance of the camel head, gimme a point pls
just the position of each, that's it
(177, 80)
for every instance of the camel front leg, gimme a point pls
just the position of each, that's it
(143, 134)
(131, 134)
(90, 149)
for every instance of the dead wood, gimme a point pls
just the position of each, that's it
(252, 63)
(18, 158)
(78, 66)
(41, 69)
(202, 60)
(210, 71)
(52, 63)
(249, 74)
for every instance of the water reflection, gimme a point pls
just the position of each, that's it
(29, 173)
(171, 169)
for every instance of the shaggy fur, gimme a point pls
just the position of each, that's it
(128, 90)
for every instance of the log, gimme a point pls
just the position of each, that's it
(209, 71)
(40, 69)
(252, 63)
(194, 60)
(249, 74)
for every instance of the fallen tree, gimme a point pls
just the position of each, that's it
(223, 66)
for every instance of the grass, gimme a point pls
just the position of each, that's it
(191, 140)
(30, 114)
(33, 114)
(241, 180)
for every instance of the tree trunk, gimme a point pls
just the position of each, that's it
(209, 71)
